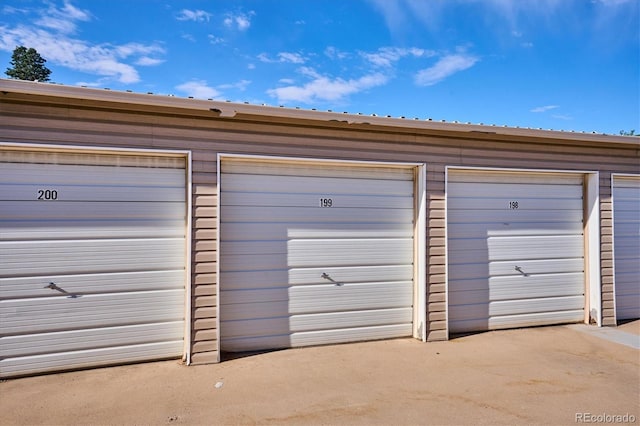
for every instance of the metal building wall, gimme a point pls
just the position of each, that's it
(41, 113)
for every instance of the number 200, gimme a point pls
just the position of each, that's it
(47, 194)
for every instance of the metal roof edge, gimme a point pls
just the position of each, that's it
(231, 110)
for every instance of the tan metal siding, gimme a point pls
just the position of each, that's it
(204, 295)
(606, 250)
(206, 135)
(436, 254)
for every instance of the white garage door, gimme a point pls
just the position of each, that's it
(626, 222)
(92, 260)
(515, 250)
(314, 254)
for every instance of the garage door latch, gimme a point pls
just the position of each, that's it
(53, 286)
(327, 277)
(519, 269)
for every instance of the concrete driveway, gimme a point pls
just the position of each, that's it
(547, 375)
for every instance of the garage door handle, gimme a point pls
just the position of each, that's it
(519, 269)
(327, 277)
(53, 286)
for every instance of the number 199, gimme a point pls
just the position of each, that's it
(326, 202)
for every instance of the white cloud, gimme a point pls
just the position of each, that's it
(193, 15)
(516, 15)
(263, 57)
(148, 62)
(294, 58)
(50, 35)
(309, 72)
(393, 12)
(215, 40)
(544, 108)
(130, 49)
(613, 2)
(445, 67)
(333, 52)
(520, 12)
(320, 87)
(10, 9)
(241, 21)
(62, 20)
(240, 85)
(198, 89)
(202, 90)
(562, 117)
(74, 13)
(288, 57)
(62, 25)
(188, 37)
(399, 15)
(107, 66)
(387, 56)
(90, 84)
(71, 53)
(325, 89)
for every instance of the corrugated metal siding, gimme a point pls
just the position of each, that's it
(626, 222)
(46, 119)
(92, 264)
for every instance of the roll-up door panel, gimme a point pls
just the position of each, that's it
(626, 225)
(92, 260)
(316, 254)
(515, 249)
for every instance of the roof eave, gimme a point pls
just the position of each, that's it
(230, 110)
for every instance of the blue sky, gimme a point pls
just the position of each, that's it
(553, 64)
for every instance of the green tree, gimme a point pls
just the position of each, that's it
(27, 64)
(629, 133)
